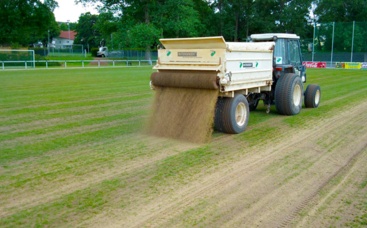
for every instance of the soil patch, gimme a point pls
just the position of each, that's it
(99, 62)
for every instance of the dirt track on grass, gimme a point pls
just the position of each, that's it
(300, 178)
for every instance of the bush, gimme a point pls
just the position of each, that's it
(15, 45)
(14, 56)
(40, 51)
(94, 51)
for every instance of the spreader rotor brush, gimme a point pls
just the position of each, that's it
(185, 79)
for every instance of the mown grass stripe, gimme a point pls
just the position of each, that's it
(18, 127)
(46, 112)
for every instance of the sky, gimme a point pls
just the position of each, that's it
(68, 10)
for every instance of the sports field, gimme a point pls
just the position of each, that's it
(73, 152)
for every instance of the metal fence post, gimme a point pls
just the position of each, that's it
(313, 39)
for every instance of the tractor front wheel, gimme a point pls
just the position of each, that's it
(312, 96)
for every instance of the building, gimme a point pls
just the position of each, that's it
(65, 39)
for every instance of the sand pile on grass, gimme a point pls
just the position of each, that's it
(183, 114)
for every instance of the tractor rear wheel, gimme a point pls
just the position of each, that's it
(312, 96)
(288, 94)
(232, 114)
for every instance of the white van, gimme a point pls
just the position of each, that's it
(103, 52)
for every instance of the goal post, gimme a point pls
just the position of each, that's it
(12, 58)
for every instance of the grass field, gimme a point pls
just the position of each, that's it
(72, 146)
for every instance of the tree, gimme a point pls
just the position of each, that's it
(142, 22)
(341, 11)
(134, 13)
(107, 25)
(281, 16)
(344, 13)
(87, 34)
(233, 19)
(65, 26)
(180, 19)
(237, 19)
(27, 21)
(206, 17)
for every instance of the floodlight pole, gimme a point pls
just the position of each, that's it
(69, 32)
(313, 39)
(351, 53)
(332, 45)
(69, 28)
(48, 42)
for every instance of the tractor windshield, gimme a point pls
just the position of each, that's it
(287, 52)
(294, 53)
(279, 52)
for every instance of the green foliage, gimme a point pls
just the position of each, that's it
(15, 45)
(27, 21)
(343, 33)
(143, 35)
(233, 19)
(87, 33)
(40, 51)
(139, 23)
(341, 11)
(15, 56)
(106, 24)
(65, 26)
(94, 51)
(155, 19)
(180, 18)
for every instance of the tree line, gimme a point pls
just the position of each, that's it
(140, 23)
(23, 22)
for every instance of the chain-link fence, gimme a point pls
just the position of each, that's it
(336, 43)
(134, 55)
(75, 50)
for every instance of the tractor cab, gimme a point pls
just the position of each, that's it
(287, 54)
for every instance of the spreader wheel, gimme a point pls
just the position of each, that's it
(232, 114)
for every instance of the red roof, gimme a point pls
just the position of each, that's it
(65, 35)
